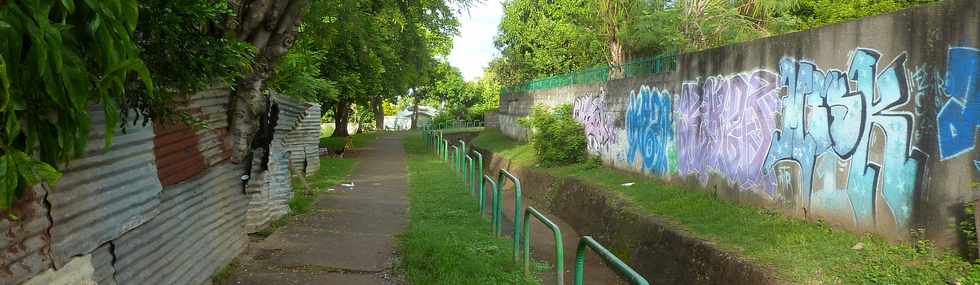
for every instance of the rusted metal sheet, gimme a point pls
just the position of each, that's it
(199, 229)
(177, 154)
(24, 241)
(105, 193)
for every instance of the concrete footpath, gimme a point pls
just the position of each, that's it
(350, 235)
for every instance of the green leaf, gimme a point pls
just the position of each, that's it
(69, 5)
(11, 127)
(34, 171)
(8, 182)
(4, 85)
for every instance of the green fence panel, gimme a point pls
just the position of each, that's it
(610, 259)
(559, 249)
(640, 67)
(517, 208)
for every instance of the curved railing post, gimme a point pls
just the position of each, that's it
(559, 249)
(517, 208)
(455, 156)
(467, 172)
(610, 259)
(478, 170)
(445, 150)
(462, 151)
(493, 193)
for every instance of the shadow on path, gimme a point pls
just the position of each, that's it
(350, 235)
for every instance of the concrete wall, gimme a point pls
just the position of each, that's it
(870, 125)
(160, 205)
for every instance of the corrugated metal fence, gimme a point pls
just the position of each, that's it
(161, 205)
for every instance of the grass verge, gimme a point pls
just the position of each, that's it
(358, 140)
(446, 241)
(333, 171)
(802, 252)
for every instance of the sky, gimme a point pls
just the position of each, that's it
(473, 47)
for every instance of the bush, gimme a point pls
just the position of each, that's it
(557, 139)
(443, 118)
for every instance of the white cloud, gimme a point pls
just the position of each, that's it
(473, 47)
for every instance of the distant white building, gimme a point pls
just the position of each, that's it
(403, 119)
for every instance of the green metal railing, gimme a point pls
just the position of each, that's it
(610, 259)
(645, 66)
(493, 193)
(462, 151)
(476, 172)
(470, 167)
(559, 249)
(517, 208)
(454, 124)
(455, 157)
(445, 150)
(467, 173)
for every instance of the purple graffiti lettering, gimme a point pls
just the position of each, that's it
(590, 111)
(724, 125)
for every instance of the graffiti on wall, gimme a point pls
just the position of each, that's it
(649, 130)
(590, 111)
(960, 116)
(724, 125)
(844, 143)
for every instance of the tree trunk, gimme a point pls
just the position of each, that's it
(415, 110)
(341, 115)
(271, 26)
(616, 59)
(379, 113)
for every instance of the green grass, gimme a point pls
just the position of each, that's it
(462, 130)
(446, 241)
(799, 251)
(333, 171)
(358, 140)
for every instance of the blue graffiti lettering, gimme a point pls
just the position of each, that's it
(649, 130)
(960, 117)
(852, 147)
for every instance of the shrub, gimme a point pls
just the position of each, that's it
(557, 139)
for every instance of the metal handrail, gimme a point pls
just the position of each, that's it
(478, 171)
(462, 151)
(611, 259)
(445, 150)
(467, 172)
(517, 208)
(559, 249)
(455, 156)
(493, 193)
